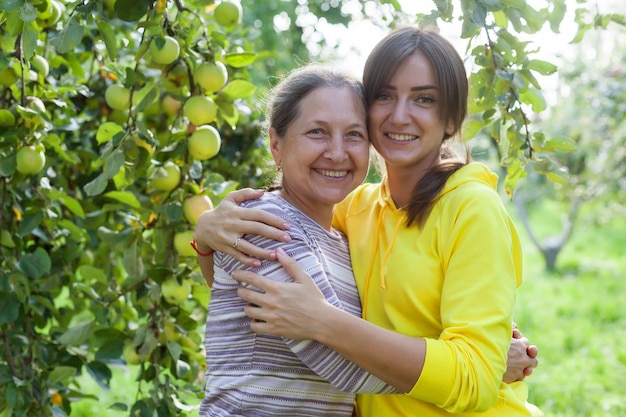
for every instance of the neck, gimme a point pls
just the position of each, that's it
(401, 186)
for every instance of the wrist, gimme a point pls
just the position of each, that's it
(202, 250)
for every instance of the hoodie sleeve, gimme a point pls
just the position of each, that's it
(480, 257)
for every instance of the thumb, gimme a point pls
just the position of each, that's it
(244, 194)
(291, 266)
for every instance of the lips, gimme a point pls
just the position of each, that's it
(401, 137)
(332, 173)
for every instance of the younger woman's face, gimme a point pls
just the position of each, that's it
(405, 126)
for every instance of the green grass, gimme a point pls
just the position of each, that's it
(577, 318)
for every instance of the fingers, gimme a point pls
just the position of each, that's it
(242, 195)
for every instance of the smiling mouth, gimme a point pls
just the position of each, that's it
(401, 138)
(332, 174)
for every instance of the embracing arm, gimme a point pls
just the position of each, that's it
(309, 320)
(219, 228)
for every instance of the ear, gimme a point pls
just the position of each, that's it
(275, 146)
(449, 130)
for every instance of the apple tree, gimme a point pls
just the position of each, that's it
(113, 115)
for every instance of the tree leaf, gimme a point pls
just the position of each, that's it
(107, 130)
(100, 373)
(9, 311)
(69, 37)
(240, 59)
(73, 205)
(11, 5)
(108, 35)
(35, 264)
(97, 185)
(238, 89)
(28, 13)
(542, 67)
(78, 334)
(125, 197)
(61, 373)
(131, 10)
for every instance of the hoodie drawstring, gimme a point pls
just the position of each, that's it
(378, 236)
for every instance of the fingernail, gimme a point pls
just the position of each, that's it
(281, 251)
(286, 226)
(287, 238)
(256, 264)
(272, 255)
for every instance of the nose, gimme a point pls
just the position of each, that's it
(336, 149)
(399, 113)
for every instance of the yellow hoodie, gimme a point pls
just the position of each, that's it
(452, 282)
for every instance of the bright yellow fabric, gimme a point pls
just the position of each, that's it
(453, 282)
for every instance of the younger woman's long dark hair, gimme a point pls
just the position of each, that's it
(381, 65)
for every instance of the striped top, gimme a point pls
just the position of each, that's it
(251, 374)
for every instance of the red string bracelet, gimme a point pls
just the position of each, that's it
(194, 245)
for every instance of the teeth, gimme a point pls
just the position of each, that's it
(334, 174)
(401, 138)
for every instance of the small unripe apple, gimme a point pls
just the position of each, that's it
(30, 160)
(211, 76)
(166, 53)
(181, 243)
(40, 65)
(228, 13)
(194, 206)
(117, 97)
(204, 143)
(7, 118)
(200, 110)
(170, 105)
(8, 77)
(166, 177)
(175, 292)
(130, 354)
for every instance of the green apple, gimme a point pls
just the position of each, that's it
(228, 13)
(204, 143)
(169, 333)
(53, 14)
(39, 64)
(181, 243)
(30, 160)
(166, 177)
(164, 53)
(176, 292)
(200, 110)
(7, 118)
(194, 206)
(130, 354)
(211, 76)
(117, 97)
(8, 77)
(170, 105)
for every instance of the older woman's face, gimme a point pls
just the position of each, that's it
(325, 152)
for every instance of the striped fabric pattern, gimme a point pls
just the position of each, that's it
(252, 374)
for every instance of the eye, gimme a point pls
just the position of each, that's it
(316, 131)
(425, 99)
(356, 135)
(382, 97)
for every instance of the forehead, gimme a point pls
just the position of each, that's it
(331, 104)
(416, 69)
